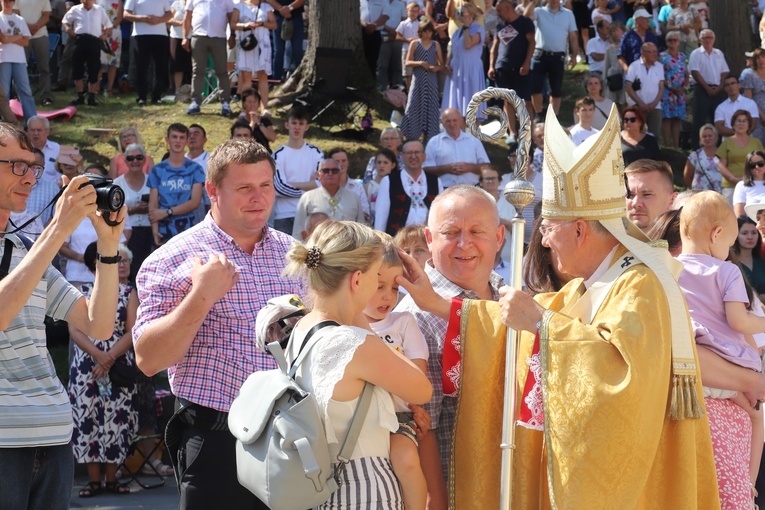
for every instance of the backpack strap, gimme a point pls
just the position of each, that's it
(349, 443)
(308, 342)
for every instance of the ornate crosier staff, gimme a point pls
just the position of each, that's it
(520, 193)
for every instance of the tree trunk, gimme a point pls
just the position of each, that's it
(331, 24)
(729, 19)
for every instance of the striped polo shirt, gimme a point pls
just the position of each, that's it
(34, 406)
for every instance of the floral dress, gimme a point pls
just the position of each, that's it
(103, 426)
(675, 72)
(112, 8)
(706, 176)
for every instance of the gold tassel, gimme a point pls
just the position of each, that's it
(687, 390)
(676, 406)
(696, 410)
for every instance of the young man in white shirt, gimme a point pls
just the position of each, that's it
(585, 110)
(296, 165)
(86, 24)
(151, 44)
(736, 101)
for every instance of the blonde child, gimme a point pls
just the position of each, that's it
(717, 298)
(411, 240)
(399, 330)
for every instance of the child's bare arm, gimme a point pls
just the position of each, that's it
(742, 320)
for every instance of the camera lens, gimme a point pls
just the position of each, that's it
(110, 198)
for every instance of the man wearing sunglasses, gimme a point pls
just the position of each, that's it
(36, 460)
(329, 198)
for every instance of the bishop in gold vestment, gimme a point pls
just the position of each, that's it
(607, 441)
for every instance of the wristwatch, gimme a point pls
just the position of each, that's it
(108, 260)
(290, 8)
(169, 211)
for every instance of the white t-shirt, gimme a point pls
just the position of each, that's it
(31, 11)
(209, 17)
(132, 198)
(13, 24)
(580, 134)
(82, 236)
(725, 110)
(293, 165)
(401, 333)
(179, 8)
(148, 8)
(749, 194)
(597, 15)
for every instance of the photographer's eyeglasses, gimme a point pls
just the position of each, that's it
(21, 168)
(134, 158)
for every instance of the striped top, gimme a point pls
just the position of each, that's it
(224, 352)
(34, 406)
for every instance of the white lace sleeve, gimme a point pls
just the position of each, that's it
(329, 359)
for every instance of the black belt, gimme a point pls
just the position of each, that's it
(550, 53)
(201, 417)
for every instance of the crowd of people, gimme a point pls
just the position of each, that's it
(409, 262)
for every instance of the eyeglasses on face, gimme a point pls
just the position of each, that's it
(630, 119)
(411, 153)
(138, 157)
(758, 164)
(333, 171)
(21, 168)
(546, 229)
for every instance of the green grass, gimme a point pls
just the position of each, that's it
(116, 112)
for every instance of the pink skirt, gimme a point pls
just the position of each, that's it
(731, 430)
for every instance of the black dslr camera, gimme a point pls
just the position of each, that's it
(109, 196)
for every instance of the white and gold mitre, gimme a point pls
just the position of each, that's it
(586, 181)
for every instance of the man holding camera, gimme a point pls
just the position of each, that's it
(644, 85)
(36, 460)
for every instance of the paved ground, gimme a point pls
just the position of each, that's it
(162, 498)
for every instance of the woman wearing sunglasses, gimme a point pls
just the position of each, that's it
(118, 165)
(133, 182)
(752, 187)
(637, 143)
(735, 150)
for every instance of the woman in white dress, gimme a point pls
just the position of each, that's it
(254, 17)
(340, 262)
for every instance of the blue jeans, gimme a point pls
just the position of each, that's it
(37, 478)
(18, 72)
(296, 43)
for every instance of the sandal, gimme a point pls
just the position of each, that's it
(162, 469)
(116, 488)
(90, 490)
